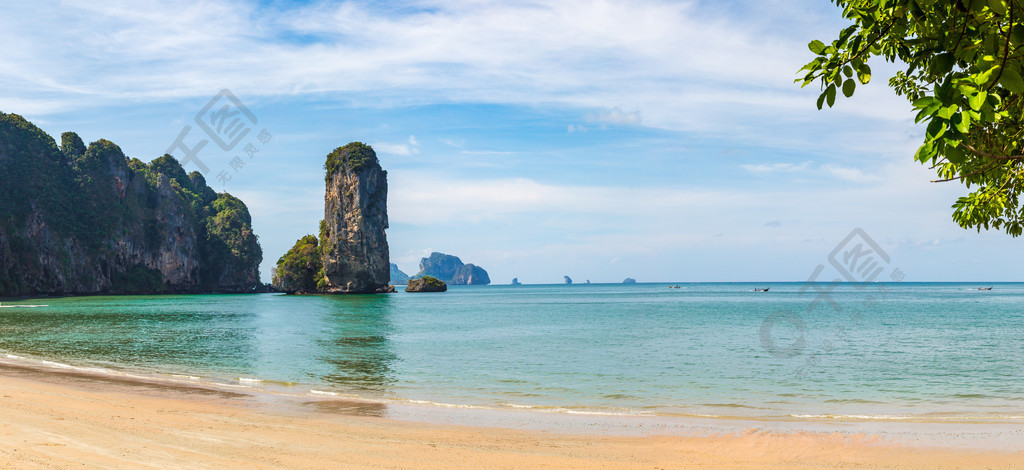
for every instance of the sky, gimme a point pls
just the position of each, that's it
(658, 140)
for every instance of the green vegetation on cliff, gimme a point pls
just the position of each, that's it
(301, 269)
(352, 157)
(426, 284)
(80, 220)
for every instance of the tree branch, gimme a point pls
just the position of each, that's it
(982, 170)
(1006, 55)
(992, 155)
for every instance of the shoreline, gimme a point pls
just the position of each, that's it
(127, 422)
(258, 394)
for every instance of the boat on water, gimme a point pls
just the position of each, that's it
(674, 287)
(985, 288)
(758, 289)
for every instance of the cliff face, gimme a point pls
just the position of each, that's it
(355, 247)
(451, 270)
(88, 220)
(351, 255)
(471, 275)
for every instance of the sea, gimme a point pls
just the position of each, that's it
(888, 352)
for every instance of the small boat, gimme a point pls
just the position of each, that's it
(674, 287)
(761, 290)
(985, 288)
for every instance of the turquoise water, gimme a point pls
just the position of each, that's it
(898, 351)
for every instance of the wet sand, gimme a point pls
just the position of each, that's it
(58, 419)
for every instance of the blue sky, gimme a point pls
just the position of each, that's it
(658, 140)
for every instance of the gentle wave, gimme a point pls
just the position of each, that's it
(928, 418)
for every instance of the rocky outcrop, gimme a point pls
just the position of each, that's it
(301, 269)
(351, 255)
(568, 280)
(398, 277)
(426, 284)
(629, 280)
(471, 275)
(515, 281)
(355, 246)
(451, 270)
(88, 220)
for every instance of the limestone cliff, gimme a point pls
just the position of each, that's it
(451, 270)
(88, 220)
(351, 255)
(355, 246)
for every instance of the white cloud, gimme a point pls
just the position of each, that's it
(486, 152)
(763, 168)
(403, 149)
(854, 175)
(849, 174)
(614, 116)
(392, 148)
(678, 64)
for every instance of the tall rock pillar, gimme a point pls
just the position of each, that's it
(355, 247)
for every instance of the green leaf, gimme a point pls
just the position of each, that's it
(848, 87)
(816, 46)
(942, 64)
(821, 100)
(1017, 34)
(922, 103)
(955, 154)
(812, 65)
(1012, 81)
(983, 78)
(845, 34)
(925, 152)
(977, 100)
(947, 112)
(864, 74)
(997, 6)
(961, 122)
(944, 92)
(935, 129)
(848, 71)
(830, 95)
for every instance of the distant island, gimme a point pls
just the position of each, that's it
(568, 280)
(398, 277)
(351, 254)
(629, 280)
(452, 271)
(88, 220)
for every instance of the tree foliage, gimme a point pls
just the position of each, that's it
(301, 269)
(351, 157)
(964, 74)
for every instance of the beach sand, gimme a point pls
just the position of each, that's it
(59, 420)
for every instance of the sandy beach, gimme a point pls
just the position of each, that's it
(63, 420)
